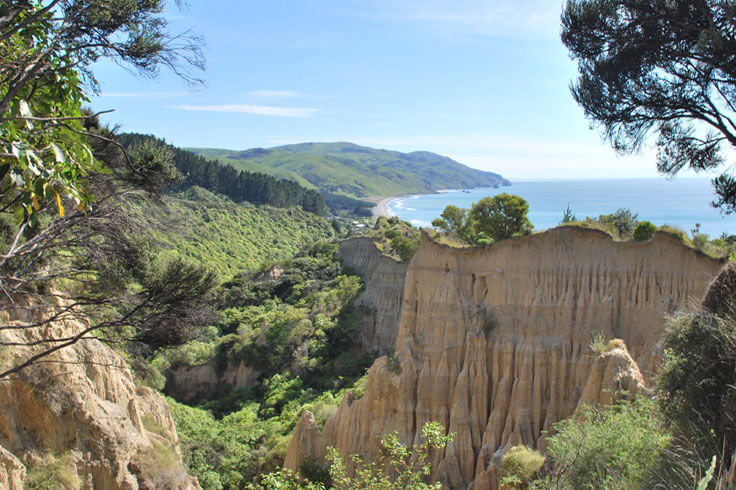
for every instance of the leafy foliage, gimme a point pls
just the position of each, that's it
(293, 323)
(619, 446)
(220, 453)
(501, 216)
(659, 66)
(519, 465)
(490, 219)
(396, 238)
(644, 231)
(697, 379)
(398, 467)
(46, 49)
(621, 223)
(226, 237)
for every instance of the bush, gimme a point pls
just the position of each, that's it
(644, 231)
(53, 472)
(697, 379)
(622, 222)
(519, 465)
(620, 446)
(398, 466)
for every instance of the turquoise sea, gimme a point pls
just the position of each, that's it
(679, 202)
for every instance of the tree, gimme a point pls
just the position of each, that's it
(47, 48)
(622, 222)
(664, 67)
(61, 256)
(455, 217)
(501, 216)
(398, 466)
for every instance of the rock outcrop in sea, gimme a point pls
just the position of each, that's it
(494, 343)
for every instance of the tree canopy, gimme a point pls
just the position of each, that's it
(501, 216)
(489, 220)
(50, 175)
(659, 66)
(47, 48)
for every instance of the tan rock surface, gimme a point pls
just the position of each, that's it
(306, 444)
(494, 342)
(383, 294)
(188, 384)
(82, 401)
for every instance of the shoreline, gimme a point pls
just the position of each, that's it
(379, 209)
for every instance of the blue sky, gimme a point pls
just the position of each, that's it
(484, 82)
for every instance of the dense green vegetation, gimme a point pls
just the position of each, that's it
(294, 324)
(624, 225)
(357, 171)
(621, 446)
(395, 238)
(489, 220)
(243, 186)
(398, 466)
(227, 237)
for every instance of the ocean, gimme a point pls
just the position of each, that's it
(680, 202)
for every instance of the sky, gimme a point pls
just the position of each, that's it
(483, 82)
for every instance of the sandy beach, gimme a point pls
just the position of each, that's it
(380, 206)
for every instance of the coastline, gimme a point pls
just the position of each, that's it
(379, 209)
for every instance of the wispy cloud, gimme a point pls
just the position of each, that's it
(260, 110)
(145, 95)
(276, 94)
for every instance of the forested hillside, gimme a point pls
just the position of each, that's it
(357, 171)
(227, 237)
(239, 186)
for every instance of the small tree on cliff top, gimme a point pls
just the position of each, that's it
(501, 216)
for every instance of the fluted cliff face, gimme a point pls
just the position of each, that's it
(82, 403)
(383, 294)
(494, 342)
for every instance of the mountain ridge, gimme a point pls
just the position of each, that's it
(357, 171)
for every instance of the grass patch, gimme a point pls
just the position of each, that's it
(53, 473)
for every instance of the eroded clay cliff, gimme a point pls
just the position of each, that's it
(494, 343)
(81, 405)
(383, 294)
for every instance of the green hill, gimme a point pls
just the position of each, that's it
(357, 171)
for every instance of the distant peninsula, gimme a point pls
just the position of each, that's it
(357, 171)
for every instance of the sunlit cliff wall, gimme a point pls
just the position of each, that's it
(494, 343)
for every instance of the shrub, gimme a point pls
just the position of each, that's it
(619, 446)
(598, 343)
(697, 379)
(53, 472)
(622, 222)
(519, 465)
(568, 216)
(645, 230)
(398, 467)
